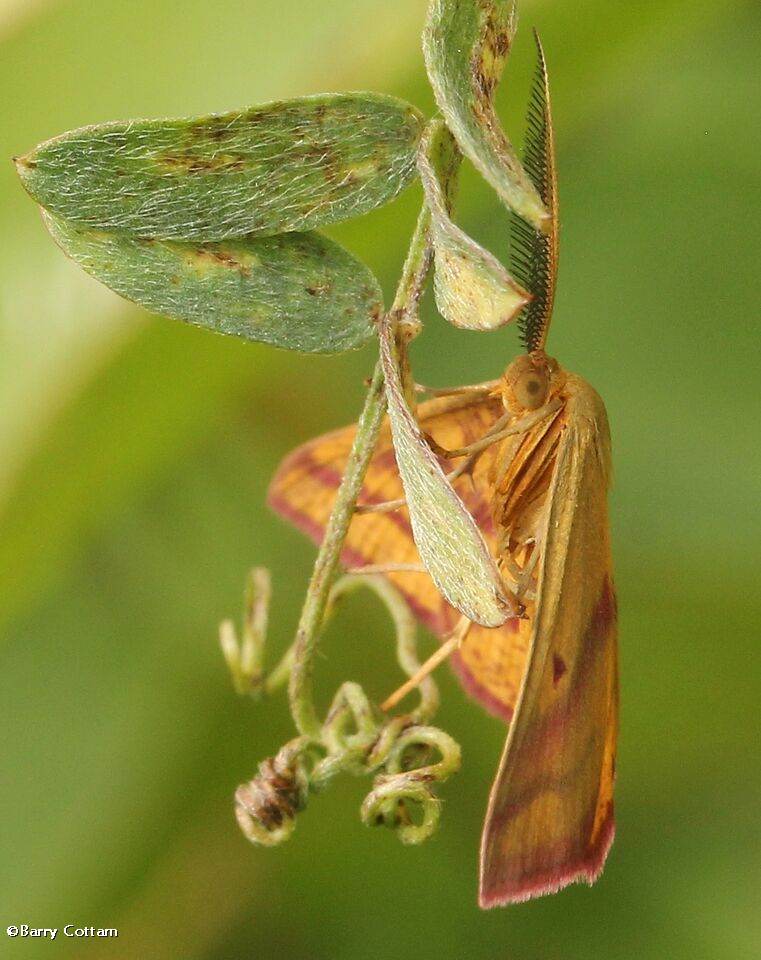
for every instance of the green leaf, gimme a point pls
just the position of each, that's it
(466, 44)
(300, 291)
(285, 166)
(450, 544)
(473, 290)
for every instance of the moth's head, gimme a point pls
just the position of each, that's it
(528, 382)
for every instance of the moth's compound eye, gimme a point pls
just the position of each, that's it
(531, 389)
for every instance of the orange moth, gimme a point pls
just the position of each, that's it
(539, 497)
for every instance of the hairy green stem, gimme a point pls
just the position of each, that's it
(300, 690)
(279, 675)
(328, 557)
(415, 271)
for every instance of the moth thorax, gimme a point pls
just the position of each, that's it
(526, 382)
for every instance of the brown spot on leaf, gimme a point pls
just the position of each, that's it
(484, 84)
(216, 130)
(332, 166)
(255, 116)
(319, 289)
(314, 154)
(500, 43)
(215, 256)
(189, 162)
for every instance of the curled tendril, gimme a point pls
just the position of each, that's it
(266, 806)
(397, 792)
(356, 738)
(393, 791)
(244, 657)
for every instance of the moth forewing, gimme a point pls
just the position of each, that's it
(490, 665)
(550, 816)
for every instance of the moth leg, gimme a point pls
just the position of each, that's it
(523, 592)
(522, 577)
(387, 506)
(526, 578)
(387, 568)
(466, 467)
(499, 431)
(445, 650)
(485, 387)
(514, 570)
(481, 444)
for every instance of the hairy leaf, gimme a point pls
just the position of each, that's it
(449, 542)
(473, 290)
(299, 291)
(466, 44)
(284, 166)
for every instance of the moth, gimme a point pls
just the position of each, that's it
(540, 499)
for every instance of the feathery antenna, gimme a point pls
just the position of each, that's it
(535, 255)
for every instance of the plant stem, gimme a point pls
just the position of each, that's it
(326, 565)
(300, 690)
(278, 677)
(414, 271)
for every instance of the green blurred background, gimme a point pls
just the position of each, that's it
(135, 454)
